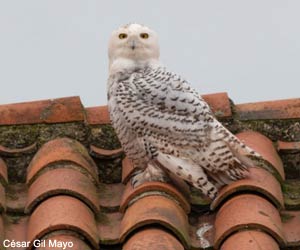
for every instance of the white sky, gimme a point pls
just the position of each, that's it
(58, 48)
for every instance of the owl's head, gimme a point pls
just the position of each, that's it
(133, 44)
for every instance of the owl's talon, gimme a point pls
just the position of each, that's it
(137, 180)
(151, 173)
(213, 195)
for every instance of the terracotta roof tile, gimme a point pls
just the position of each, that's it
(250, 240)
(16, 229)
(97, 115)
(5, 151)
(202, 230)
(127, 169)
(66, 109)
(111, 195)
(3, 172)
(64, 200)
(152, 239)
(62, 150)
(250, 212)
(259, 181)
(72, 242)
(281, 109)
(3, 184)
(160, 210)
(219, 103)
(266, 149)
(104, 153)
(291, 227)
(150, 188)
(63, 213)
(62, 181)
(2, 199)
(2, 236)
(109, 228)
(288, 146)
(16, 198)
(69, 109)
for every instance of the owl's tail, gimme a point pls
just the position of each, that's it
(189, 171)
(226, 158)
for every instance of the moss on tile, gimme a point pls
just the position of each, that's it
(110, 171)
(12, 218)
(286, 130)
(74, 130)
(285, 216)
(197, 198)
(291, 194)
(267, 166)
(17, 167)
(291, 162)
(104, 136)
(18, 136)
(103, 219)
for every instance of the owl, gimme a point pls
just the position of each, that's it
(163, 124)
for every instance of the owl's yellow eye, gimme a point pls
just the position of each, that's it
(144, 35)
(122, 35)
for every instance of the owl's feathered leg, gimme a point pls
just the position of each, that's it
(189, 171)
(151, 173)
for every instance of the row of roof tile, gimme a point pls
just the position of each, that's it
(64, 201)
(70, 109)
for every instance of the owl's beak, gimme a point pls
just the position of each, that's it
(133, 44)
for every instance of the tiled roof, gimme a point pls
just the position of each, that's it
(64, 177)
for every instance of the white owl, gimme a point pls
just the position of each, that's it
(163, 124)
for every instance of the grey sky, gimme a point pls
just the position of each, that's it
(58, 48)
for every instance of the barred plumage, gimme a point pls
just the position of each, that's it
(163, 123)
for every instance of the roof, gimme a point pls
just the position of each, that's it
(64, 177)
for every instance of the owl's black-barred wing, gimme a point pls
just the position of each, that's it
(164, 89)
(164, 110)
(164, 105)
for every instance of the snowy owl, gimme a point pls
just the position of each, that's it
(163, 124)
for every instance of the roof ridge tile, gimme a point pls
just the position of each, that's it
(67, 109)
(276, 109)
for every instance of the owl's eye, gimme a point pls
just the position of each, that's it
(122, 35)
(144, 35)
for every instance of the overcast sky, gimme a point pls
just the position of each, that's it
(58, 48)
